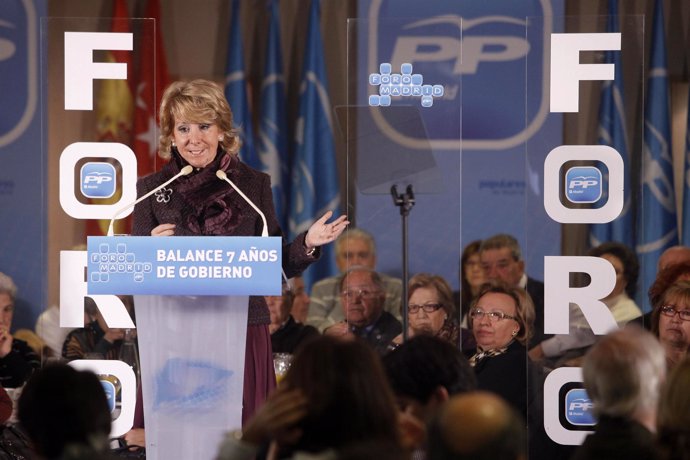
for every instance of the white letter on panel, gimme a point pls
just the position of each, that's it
(558, 294)
(123, 423)
(73, 291)
(81, 71)
(567, 72)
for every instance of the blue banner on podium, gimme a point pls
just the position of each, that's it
(199, 265)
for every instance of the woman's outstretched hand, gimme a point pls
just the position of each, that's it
(321, 233)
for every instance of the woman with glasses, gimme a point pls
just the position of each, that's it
(671, 322)
(501, 319)
(431, 311)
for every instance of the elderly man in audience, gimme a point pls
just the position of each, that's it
(623, 373)
(363, 296)
(477, 426)
(502, 261)
(17, 360)
(354, 248)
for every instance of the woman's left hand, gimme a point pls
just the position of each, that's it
(321, 233)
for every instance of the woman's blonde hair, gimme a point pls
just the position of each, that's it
(196, 101)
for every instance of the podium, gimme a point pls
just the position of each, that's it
(191, 296)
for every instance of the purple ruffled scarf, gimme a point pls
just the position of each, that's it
(210, 211)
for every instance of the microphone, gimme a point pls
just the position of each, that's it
(222, 176)
(183, 172)
(264, 232)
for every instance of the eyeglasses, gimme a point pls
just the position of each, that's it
(363, 293)
(494, 316)
(671, 310)
(427, 307)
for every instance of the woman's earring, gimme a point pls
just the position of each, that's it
(220, 139)
(173, 144)
(515, 333)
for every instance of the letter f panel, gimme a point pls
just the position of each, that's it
(567, 71)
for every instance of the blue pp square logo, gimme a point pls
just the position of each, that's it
(578, 408)
(583, 184)
(98, 180)
(110, 393)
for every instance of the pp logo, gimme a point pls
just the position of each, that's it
(95, 179)
(583, 184)
(578, 408)
(110, 393)
(98, 180)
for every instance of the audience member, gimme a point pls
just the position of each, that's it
(672, 256)
(623, 373)
(286, 333)
(501, 318)
(424, 372)
(665, 277)
(354, 248)
(96, 338)
(564, 347)
(66, 414)
(363, 297)
(430, 309)
(502, 261)
(671, 322)
(17, 360)
(477, 426)
(300, 301)
(334, 395)
(668, 272)
(472, 277)
(673, 420)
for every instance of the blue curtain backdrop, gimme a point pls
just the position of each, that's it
(657, 225)
(314, 175)
(272, 145)
(612, 132)
(236, 89)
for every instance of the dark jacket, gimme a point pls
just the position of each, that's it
(202, 204)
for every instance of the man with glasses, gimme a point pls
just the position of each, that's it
(362, 296)
(501, 259)
(354, 248)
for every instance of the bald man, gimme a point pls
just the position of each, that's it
(479, 426)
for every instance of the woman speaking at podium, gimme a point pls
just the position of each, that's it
(196, 130)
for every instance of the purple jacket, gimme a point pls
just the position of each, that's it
(201, 204)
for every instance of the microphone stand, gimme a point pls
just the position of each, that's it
(405, 201)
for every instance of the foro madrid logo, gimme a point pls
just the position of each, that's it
(404, 84)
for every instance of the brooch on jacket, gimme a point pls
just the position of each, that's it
(163, 195)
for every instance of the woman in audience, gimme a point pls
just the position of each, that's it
(501, 318)
(334, 395)
(673, 419)
(17, 360)
(471, 277)
(286, 333)
(671, 321)
(430, 308)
